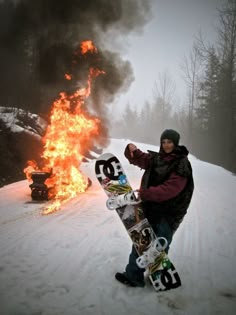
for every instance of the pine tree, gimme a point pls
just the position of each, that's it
(209, 111)
(227, 94)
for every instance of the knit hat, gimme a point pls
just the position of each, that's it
(171, 135)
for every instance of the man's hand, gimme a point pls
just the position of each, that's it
(132, 147)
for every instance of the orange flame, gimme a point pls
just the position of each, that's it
(68, 76)
(71, 132)
(32, 167)
(86, 46)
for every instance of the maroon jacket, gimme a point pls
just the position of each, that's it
(167, 184)
(169, 189)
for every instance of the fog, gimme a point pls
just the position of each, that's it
(162, 45)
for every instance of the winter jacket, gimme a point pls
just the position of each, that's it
(167, 184)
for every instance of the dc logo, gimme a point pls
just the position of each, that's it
(122, 180)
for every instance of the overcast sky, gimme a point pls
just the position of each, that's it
(165, 40)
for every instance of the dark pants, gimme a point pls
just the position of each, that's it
(133, 272)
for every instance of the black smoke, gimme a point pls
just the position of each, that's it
(38, 39)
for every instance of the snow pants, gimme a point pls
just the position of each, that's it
(133, 272)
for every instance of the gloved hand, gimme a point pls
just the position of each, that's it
(132, 147)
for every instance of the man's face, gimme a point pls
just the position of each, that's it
(167, 145)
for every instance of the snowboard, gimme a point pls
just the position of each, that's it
(111, 175)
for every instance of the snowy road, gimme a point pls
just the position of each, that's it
(65, 263)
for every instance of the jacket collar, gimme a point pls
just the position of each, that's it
(179, 151)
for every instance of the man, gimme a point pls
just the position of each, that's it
(166, 191)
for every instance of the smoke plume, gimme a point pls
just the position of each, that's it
(38, 39)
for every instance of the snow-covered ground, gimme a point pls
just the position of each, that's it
(65, 263)
(18, 120)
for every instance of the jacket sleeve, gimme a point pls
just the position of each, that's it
(139, 158)
(168, 190)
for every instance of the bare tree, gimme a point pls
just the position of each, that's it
(191, 68)
(164, 91)
(212, 93)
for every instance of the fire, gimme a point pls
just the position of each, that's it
(68, 76)
(31, 167)
(70, 133)
(87, 46)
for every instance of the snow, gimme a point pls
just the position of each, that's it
(18, 120)
(65, 263)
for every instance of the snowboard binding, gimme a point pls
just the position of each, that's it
(118, 201)
(156, 250)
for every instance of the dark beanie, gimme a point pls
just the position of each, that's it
(171, 135)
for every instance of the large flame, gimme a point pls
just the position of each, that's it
(30, 168)
(70, 133)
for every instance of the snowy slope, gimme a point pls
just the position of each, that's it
(65, 263)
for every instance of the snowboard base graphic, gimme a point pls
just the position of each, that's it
(111, 176)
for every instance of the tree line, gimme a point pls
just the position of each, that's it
(207, 122)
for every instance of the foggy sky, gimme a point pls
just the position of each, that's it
(165, 40)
